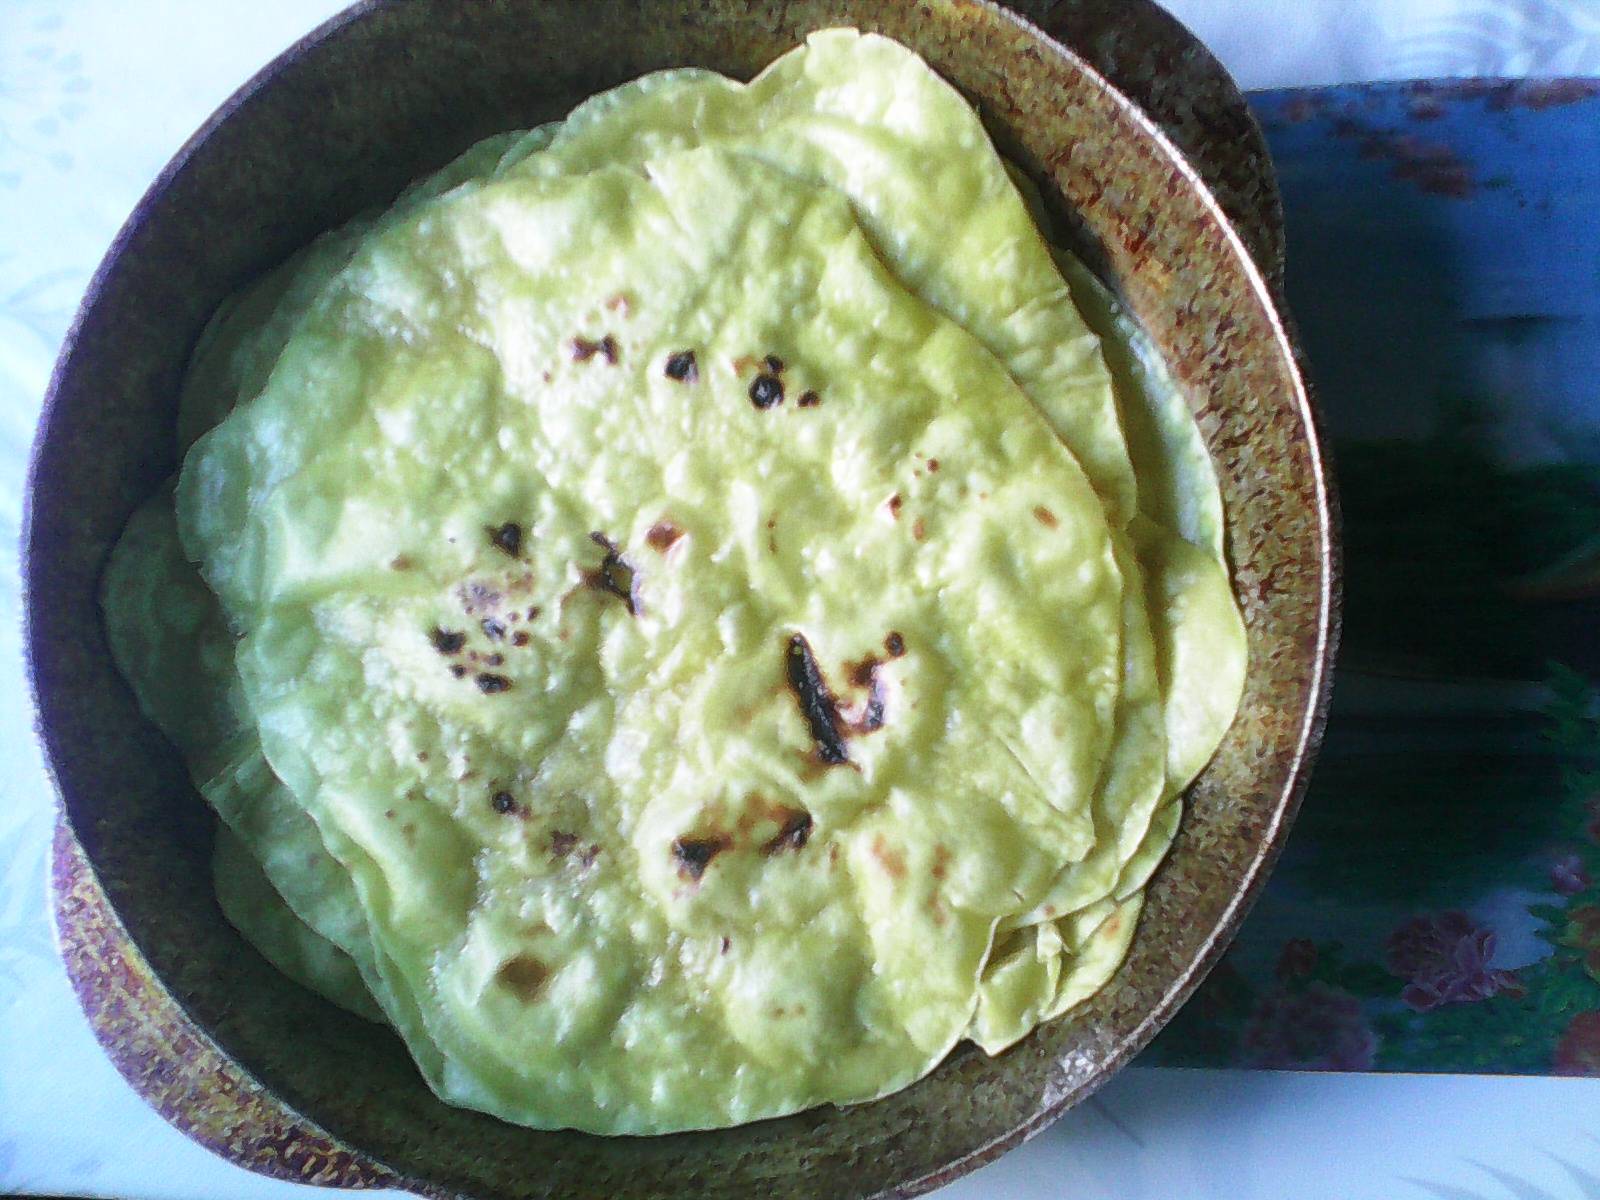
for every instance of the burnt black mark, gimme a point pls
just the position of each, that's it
(773, 363)
(494, 660)
(616, 575)
(795, 833)
(447, 641)
(519, 638)
(682, 367)
(583, 349)
(507, 537)
(809, 399)
(726, 944)
(872, 719)
(458, 670)
(492, 629)
(490, 684)
(694, 854)
(766, 391)
(894, 644)
(817, 703)
(503, 803)
(865, 675)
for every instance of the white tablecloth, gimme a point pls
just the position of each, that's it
(95, 95)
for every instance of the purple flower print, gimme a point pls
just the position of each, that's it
(1445, 957)
(1578, 1051)
(1317, 1028)
(1297, 960)
(1568, 875)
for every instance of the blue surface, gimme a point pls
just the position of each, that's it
(1443, 262)
(1443, 239)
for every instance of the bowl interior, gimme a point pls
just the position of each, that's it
(341, 123)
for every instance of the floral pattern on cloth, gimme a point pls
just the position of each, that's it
(1314, 1028)
(1445, 959)
(1436, 907)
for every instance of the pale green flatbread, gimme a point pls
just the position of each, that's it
(1201, 650)
(288, 943)
(1042, 970)
(863, 115)
(169, 641)
(926, 880)
(579, 891)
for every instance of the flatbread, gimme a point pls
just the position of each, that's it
(485, 859)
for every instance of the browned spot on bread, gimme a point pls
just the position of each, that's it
(941, 862)
(894, 505)
(682, 367)
(766, 391)
(524, 976)
(817, 704)
(694, 854)
(865, 674)
(475, 596)
(616, 575)
(506, 538)
(447, 641)
(794, 834)
(918, 529)
(662, 536)
(400, 563)
(809, 400)
(490, 684)
(503, 802)
(1045, 517)
(562, 844)
(890, 859)
(519, 638)
(894, 645)
(583, 349)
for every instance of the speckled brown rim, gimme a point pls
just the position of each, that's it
(1315, 718)
(363, 1170)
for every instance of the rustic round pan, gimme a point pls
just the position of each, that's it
(261, 1071)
